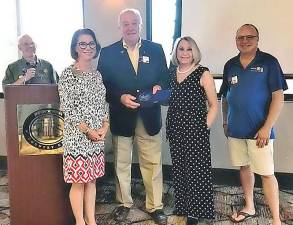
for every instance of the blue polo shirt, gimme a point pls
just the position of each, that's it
(249, 93)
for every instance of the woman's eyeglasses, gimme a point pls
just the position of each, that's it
(83, 45)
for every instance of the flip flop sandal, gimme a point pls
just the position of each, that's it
(244, 214)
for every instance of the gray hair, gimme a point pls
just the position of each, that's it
(195, 50)
(134, 11)
(21, 37)
(248, 25)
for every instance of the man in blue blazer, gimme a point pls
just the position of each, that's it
(131, 67)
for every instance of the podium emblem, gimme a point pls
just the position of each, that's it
(41, 131)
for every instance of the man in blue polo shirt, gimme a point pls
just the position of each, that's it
(252, 98)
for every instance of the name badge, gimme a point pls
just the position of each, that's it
(234, 79)
(257, 69)
(145, 59)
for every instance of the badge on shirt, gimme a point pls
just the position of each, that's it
(42, 74)
(234, 79)
(257, 69)
(145, 59)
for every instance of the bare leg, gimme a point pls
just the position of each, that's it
(89, 202)
(271, 192)
(247, 182)
(76, 199)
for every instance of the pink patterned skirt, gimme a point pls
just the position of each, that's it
(83, 169)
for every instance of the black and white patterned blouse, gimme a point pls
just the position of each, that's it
(82, 99)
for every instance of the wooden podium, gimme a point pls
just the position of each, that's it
(37, 192)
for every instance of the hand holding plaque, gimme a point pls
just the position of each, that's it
(148, 99)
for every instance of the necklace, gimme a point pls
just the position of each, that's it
(185, 71)
(90, 69)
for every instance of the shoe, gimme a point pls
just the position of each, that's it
(120, 213)
(245, 217)
(159, 217)
(192, 221)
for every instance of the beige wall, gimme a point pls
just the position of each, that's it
(213, 25)
(220, 159)
(283, 144)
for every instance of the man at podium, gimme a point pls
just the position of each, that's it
(29, 69)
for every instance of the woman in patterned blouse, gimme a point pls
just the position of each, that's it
(82, 99)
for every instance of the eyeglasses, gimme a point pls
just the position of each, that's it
(27, 44)
(247, 38)
(83, 45)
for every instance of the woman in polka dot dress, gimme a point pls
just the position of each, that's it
(188, 124)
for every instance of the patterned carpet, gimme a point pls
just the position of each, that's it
(227, 200)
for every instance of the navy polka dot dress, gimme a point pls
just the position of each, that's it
(188, 136)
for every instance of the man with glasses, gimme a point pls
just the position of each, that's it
(130, 67)
(29, 69)
(252, 99)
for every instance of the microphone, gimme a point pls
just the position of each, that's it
(28, 65)
(31, 64)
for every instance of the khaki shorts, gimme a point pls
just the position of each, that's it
(244, 152)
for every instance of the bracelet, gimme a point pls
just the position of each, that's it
(22, 77)
(105, 120)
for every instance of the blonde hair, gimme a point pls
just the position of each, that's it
(196, 54)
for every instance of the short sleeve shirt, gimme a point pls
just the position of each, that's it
(45, 73)
(249, 93)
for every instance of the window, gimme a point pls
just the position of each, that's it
(163, 22)
(8, 37)
(51, 25)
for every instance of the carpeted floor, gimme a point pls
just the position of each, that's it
(227, 200)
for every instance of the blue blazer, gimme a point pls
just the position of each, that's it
(120, 78)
